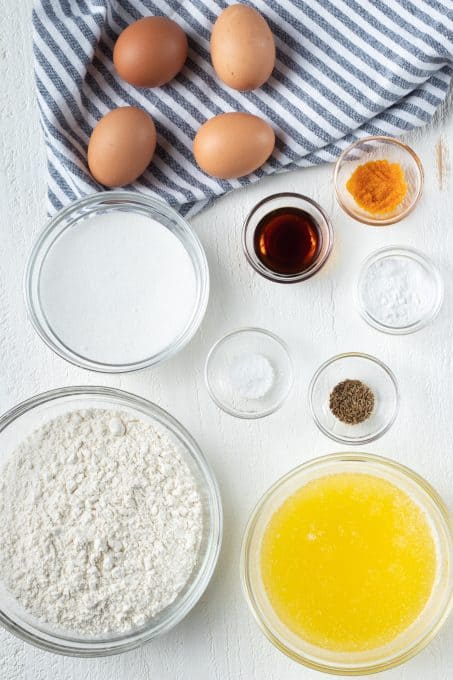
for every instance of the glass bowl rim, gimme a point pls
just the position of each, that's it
(247, 588)
(413, 254)
(359, 440)
(227, 336)
(372, 221)
(267, 273)
(91, 648)
(110, 199)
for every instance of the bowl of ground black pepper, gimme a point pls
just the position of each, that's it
(354, 398)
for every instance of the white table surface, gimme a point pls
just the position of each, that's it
(219, 640)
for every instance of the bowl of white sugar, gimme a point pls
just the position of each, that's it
(110, 521)
(117, 282)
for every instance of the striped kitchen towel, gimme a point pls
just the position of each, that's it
(345, 69)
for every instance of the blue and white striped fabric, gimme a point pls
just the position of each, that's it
(345, 69)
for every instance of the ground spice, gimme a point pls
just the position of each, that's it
(351, 401)
(378, 186)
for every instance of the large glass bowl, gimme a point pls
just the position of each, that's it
(56, 322)
(21, 421)
(408, 643)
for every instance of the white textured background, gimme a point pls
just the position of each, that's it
(219, 640)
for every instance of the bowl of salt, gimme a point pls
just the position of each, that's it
(249, 373)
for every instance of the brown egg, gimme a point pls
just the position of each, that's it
(150, 52)
(121, 146)
(233, 145)
(242, 48)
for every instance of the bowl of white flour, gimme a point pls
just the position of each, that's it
(110, 521)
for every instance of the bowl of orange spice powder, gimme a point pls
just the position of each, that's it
(378, 180)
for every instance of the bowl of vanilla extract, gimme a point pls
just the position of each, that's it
(287, 237)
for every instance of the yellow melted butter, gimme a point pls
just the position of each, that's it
(348, 562)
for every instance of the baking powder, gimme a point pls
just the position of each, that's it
(397, 291)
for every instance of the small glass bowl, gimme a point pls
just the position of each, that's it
(408, 643)
(431, 288)
(373, 149)
(20, 422)
(371, 371)
(287, 200)
(224, 373)
(64, 223)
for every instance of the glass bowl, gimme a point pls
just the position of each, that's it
(115, 289)
(22, 420)
(354, 366)
(249, 373)
(408, 643)
(421, 297)
(287, 200)
(373, 149)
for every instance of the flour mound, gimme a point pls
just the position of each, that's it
(100, 522)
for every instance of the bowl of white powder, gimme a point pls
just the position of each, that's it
(110, 521)
(249, 373)
(116, 282)
(399, 290)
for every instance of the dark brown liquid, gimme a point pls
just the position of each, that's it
(287, 240)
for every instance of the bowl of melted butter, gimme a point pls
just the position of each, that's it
(347, 563)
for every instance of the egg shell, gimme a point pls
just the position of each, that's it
(242, 48)
(232, 145)
(150, 52)
(121, 146)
